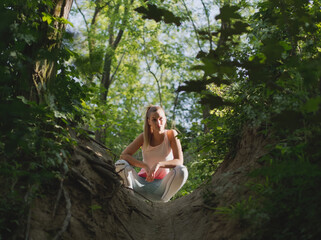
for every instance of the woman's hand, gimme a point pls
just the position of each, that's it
(148, 173)
(152, 173)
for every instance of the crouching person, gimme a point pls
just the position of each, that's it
(162, 171)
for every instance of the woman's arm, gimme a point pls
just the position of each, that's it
(177, 151)
(127, 154)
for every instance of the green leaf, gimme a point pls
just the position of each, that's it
(285, 45)
(215, 101)
(47, 18)
(312, 105)
(228, 12)
(193, 86)
(218, 81)
(95, 207)
(158, 14)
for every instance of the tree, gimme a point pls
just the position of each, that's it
(271, 76)
(39, 45)
(45, 68)
(127, 64)
(116, 14)
(35, 114)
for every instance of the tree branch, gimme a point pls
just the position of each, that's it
(157, 82)
(208, 25)
(83, 16)
(193, 23)
(154, 75)
(175, 104)
(118, 38)
(114, 73)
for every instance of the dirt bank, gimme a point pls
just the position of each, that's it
(90, 203)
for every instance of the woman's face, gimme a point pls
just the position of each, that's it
(157, 121)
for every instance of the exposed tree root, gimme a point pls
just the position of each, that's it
(27, 198)
(28, 225)
(58, 199)
(130, 189)
(68, 215)
(84, 182)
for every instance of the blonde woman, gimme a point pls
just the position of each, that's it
(162, 171)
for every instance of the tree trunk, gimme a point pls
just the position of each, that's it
(221, 41)
(107, 75)
(106, 78)
(45, 67)
(206, 114)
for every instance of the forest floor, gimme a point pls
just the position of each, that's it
(90, 203)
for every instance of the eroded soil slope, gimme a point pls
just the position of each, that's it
(90, 202)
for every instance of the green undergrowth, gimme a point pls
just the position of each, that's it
(35, 146)
(205, 151)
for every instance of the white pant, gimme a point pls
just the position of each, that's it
(160, 190)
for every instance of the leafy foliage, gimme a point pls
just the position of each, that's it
(154, 12)
(274, 84)
(290, 195)
(205, 152)
(35, 140)
(35, 144)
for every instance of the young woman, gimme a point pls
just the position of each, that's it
(162, 172)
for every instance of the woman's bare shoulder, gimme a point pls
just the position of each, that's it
(171, 133)
(139, 140)
(134, 145)
(140, 137)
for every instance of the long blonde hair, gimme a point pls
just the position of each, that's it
(147, 132)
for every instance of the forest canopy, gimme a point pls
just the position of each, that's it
(89, 68)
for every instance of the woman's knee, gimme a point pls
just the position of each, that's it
(178, 179)
(121, 164)
(181, 171)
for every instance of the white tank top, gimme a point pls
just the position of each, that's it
(154, 154)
